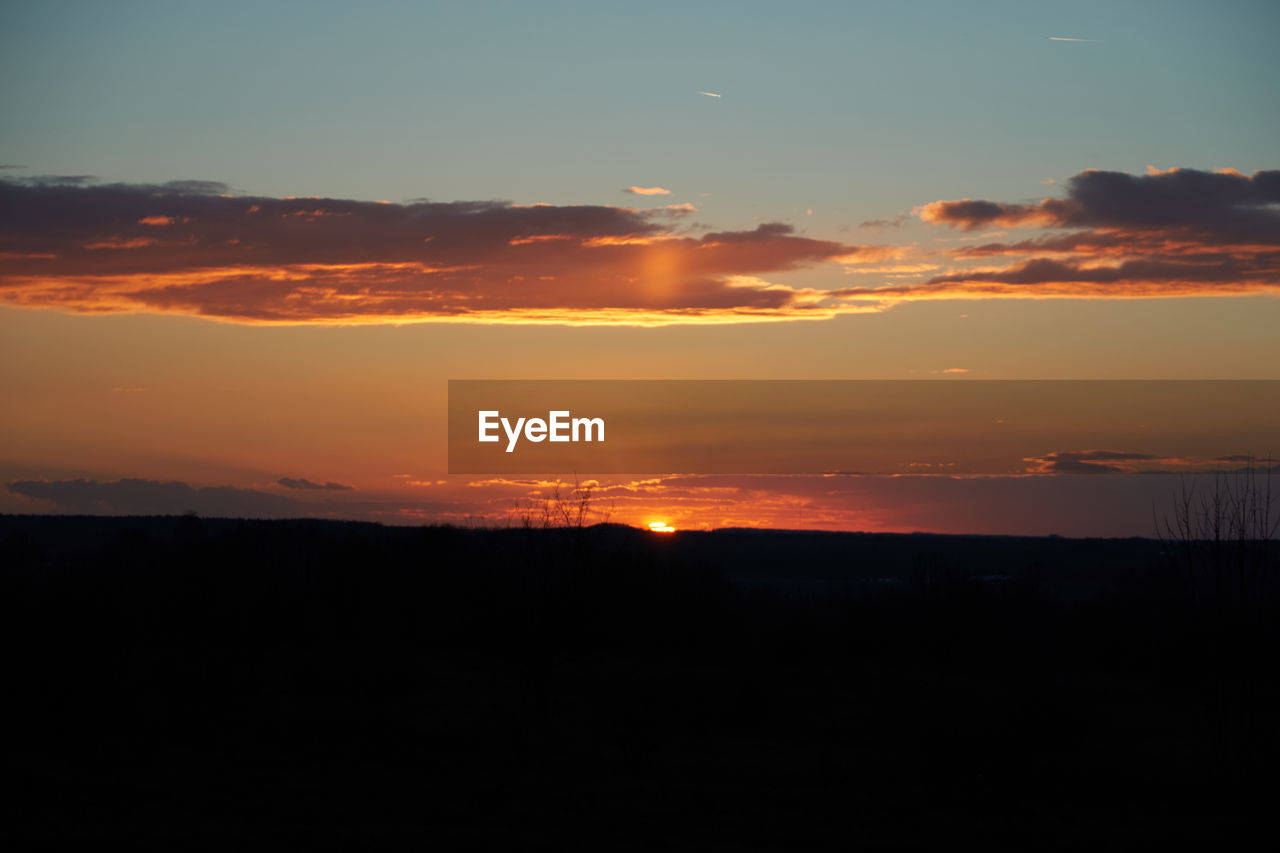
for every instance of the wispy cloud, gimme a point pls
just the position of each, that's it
(647, 191)
(710, 94)
(896, 222)
(1063, 38)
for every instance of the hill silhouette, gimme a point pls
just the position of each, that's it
(209, 683)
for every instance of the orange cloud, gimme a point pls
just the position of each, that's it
(647, 191)
(968, 214)
(86, 248)
(262, 260)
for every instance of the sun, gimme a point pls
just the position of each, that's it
(660, 527)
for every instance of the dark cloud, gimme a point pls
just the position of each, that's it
(1155, 277)
(1122, 462)
(303, 483)
(969, 214)
(54, 180)
(1087, 462)
(1171, 233)
(1205, 202)
(192, 247)
(151, 497)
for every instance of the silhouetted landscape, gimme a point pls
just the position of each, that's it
(191, 683)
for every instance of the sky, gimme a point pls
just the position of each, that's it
(244, 246)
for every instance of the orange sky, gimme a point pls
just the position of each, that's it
(169, 398)
(180, 346)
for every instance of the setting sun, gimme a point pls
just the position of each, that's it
(660, 527)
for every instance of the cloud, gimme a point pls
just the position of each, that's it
(895, 270)
(131, 496)
(896, 222)
(1178, 232)
(196, 248)
(969, 214)
(97, 248)
(1086, 462)
(133, 243)
(647, 191)
(1124, 462)
(710, 94)
(151, 497)
(303, 483)
(59, 180)
(1062, 38)
(1223, 202)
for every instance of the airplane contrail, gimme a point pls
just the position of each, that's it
(710, 94)
(1060, 38)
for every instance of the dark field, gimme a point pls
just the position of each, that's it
(183, 683)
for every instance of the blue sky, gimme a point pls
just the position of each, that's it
(857, 110)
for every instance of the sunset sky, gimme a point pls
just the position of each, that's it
(244, 246)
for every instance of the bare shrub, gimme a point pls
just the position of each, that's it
(1222, 532)
(564, 507)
